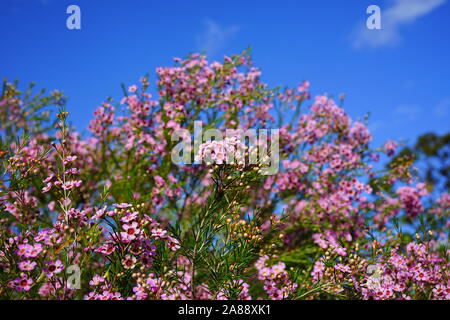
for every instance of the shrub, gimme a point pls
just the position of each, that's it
(111, 216)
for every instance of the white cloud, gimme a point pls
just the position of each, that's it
(400, 13)
(408, 113)
(442, 108)
(215, 37)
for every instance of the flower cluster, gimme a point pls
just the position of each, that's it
(276, 280)
(109, 216)
(228, 151)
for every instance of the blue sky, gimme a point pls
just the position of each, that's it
(399, 74)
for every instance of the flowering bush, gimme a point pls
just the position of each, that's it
(111, 216)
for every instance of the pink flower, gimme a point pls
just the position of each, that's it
(100, 213)
(35, 250)
(51, 205)
(132, 88)
(49, 178)
(71, 158)
(129, 216)
(71, 184)
(24, 283)
(159, 233)
(47, 187)
(48, 289)
(24, 250)
(91, 296)
(122, 205)
(410, 198)
(389, 148)
(129, 262)
(54, 267)
(131, 231)
(159, 181)
(27, 265)
(115, 296)
(106, 249)
(173, 243)
(96, 280)
(303, 87)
